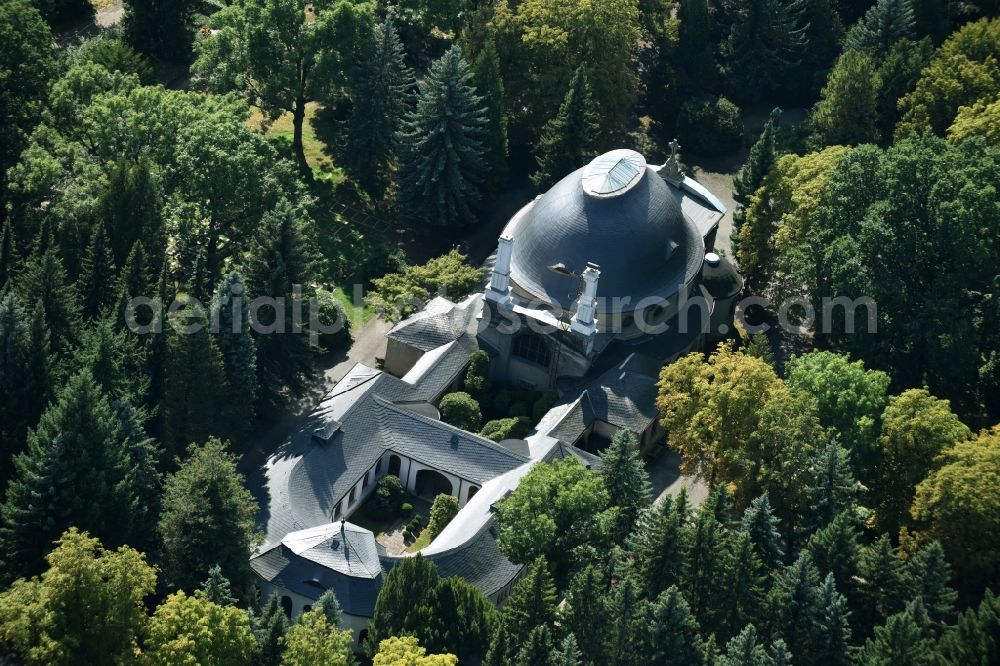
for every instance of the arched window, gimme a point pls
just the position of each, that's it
(532, 347)
(354, 496)
(286, 605)
(362, 635)
(472, 492)
(306, 608)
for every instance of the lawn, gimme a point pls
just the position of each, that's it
(421, 541)
(358, 315)
(316, 150)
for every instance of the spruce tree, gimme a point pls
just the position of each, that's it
(569, 140)
(884, 24)
(975, 638)
(402, 606)
(538, 649)
(116, 360)
(706, 564)
(194, 384)
(882, 587)
(744, 585)
(500, 647)
(626, 480)
(25, 377)
(442, 167)
(587, 614)
(822, 31)
(142, 464)
(657, 547)
(794, 601)
(73, 473)
(834, 550)
(133, 282)
(745, 650)
(280, 261)
(130, 208)
(269, 628)
(330, 607)
(696, 47)
(568, 653)
(762, 526)
(489, 83)
(230, 315)
(899, 642)
(217, 588)
(672, 633)
(928, 577)
(97, 274)
(7, 252)
(207, 520)
(380, 94)
(764, 41)
(44, 284)
(533, 602)
(762, 157)
(628, 619)
(832, 487)
(832, 635)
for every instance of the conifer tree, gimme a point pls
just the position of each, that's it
(672, 633)
(744, 650)
(744, 585)
(568, 653)
(780, 656)
(760, 346)
(269, 628)
(884, 24)
(97, 273)
(794, 602)
(762, 526)
(230, 313)
(847, 112)
(882, 587)
(533, 602)
(142, 457)
(705, 565)
(130, 208)
(207, 520)
(973, 639)
(330, 607)
(380, 93)
(7, 252)
(657, 547)
(899, 642)
(489, 84)
(628, 618)
(217, 588)
(73, 473)
(281, 261)
(587, 614)
(765, 40)
(626, 480)
(442, 166)
(500, 647)
(569, 140)
(696, 47)
(24, 377)
(194, 384)
(834, 550)
(538, 649)
(928, 577)
(831, 645)
(832, 488)
(822, 32)
(44, 284)
(760, 160)
(133, 281)
(116, 360)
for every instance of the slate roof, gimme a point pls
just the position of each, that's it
(640, 238)
(439, 323)
(624, 396)
(479, 561)
(308, 562)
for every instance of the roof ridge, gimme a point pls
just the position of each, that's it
(447, 426)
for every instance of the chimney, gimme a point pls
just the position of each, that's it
(583, 321)
(499, 289)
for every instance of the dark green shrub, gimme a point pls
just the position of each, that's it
(501, 400)
(461, 410)
(501, 429)
(710, 126)
(445, 508)
(117, 56)
(332, 315)
(387, 496)
(477, 378)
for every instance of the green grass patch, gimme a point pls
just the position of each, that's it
(318, 152)
(421, 541)
(358, 315)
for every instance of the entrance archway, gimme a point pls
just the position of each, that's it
(431, 483)
(394, 464)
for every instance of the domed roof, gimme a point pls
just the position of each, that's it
(615, 212)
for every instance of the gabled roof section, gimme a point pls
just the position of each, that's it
(439, 323)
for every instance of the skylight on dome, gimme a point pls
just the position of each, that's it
(613, 173)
